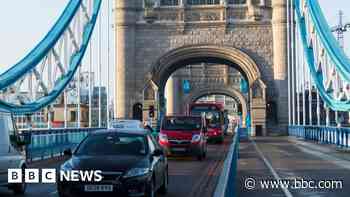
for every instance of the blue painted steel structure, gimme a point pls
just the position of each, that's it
(47, 143)
(341, 62)
(330, 44)
(186, 85)
(39, 52)
(244, 86)
(27, 64)
(326, 135)
(329, 68)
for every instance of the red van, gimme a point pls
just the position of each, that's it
(184, 135)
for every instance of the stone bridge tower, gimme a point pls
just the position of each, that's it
(154, 38)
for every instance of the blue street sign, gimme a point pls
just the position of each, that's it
(243, 86)
(186, 86)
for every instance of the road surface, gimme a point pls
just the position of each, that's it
(270, 158)
(187, 176)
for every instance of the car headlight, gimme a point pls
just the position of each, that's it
(135, 172)
(196, 138)
(163, 137)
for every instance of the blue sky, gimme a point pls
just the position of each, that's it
(24, 23)
(331, 9)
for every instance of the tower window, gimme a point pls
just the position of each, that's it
(73, 116)
(237, 2)
(169, 2)
(203, 2)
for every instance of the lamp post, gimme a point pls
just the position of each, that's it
(340, 29)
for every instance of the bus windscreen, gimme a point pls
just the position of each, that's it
(210, 113)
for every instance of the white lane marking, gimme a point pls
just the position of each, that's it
(54, 192)
(326, 157)
(272, 170)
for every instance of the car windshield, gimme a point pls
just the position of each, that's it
(126, 124)
(182, 123)
(113, 144)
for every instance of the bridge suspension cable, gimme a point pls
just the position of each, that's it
(51, 66)
(320, 70)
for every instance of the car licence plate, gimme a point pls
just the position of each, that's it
(98, 188)
(179, 149)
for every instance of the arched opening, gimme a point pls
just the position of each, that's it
(241, 104)
(179, 58)
(190, 55)
(137, 111)
(232, 109)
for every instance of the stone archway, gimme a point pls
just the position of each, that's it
(223, 90)
(178, 58)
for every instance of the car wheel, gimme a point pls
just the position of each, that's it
(151, 189)
(164, 187)
(221, 140)
(205, 153)
(20, 188)
(60, 194)
(200, 156)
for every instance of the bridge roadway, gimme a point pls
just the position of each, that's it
(263, 158)
(270, 158)
(187, 175)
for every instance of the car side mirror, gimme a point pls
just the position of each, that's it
(158, 152)
(68, 152)
(20, 140)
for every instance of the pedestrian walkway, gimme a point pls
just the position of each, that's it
(303, 169)
(323, 150)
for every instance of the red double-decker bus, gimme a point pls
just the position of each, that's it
(214, 114)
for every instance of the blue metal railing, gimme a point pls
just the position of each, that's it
(327, 135)
(226, 183)
(46, 143)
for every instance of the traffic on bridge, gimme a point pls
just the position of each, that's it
(175, 98)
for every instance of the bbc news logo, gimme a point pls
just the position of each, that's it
(51, 176)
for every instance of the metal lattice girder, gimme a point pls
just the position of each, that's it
(50, 67)
(326, 61)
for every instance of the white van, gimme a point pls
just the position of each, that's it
(126, 124)
(11, 154)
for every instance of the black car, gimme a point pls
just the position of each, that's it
(132, 164)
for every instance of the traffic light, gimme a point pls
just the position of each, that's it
(151, 111)
(271, 110)
(239, 110)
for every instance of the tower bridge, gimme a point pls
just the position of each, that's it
(252, 41)
(277, 60)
